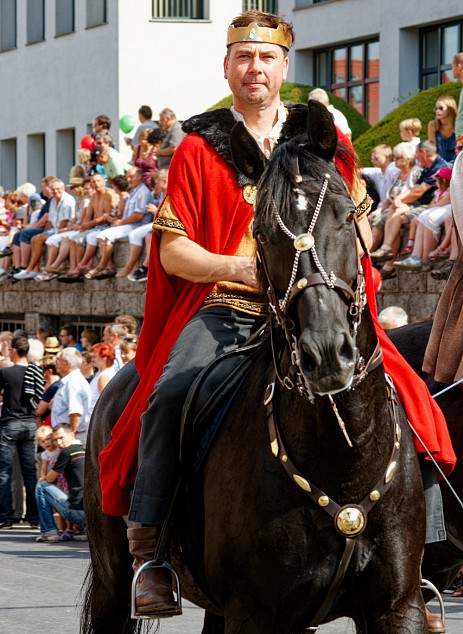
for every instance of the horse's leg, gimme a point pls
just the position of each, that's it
(107, 589)
(107, 605)
(213, 624)
(407, 617)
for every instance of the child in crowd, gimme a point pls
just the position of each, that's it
(382, 173)
(425, 229)
(128, 348)
(49, 456)
(410, 130)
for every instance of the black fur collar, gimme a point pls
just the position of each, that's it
(215, 127)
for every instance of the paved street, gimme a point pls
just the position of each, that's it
(40, 586)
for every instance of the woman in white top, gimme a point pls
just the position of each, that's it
(103, 359)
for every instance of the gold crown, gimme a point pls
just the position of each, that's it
(255, 33)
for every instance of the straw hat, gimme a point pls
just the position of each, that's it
(52, 345)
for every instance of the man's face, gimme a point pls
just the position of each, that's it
(457, 70)
(255, 72)
(63, 438)
(165, 121)
(57, 190)
(46, 190)
(106, 338)
(62, 366)
(88, 190)
(133, 178)
(421, 157)
(379, 159)
(160, 185)
(97, 127)
(65, 337)
(97, 183)
(102, 144)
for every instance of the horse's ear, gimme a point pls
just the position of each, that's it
(321, 131)
(246, 154)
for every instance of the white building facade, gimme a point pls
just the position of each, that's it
(62, 62)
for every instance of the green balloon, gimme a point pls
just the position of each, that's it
(127, 123)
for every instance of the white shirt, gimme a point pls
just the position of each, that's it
(72, 397)
(340, 120)
(65, 209)
(382, 180)
(272, 136)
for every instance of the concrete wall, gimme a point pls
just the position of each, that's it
(395, 22)
(45, 303)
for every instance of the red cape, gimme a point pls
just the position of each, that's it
(422, 410)
(216, 216)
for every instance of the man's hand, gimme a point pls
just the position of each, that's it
(184, 258)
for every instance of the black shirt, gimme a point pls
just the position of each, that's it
(71, 462)
(16, 403)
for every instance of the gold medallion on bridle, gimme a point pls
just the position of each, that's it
(350, 520)
(304, 242)
(249, 193)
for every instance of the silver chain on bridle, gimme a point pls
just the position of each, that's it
(305, 242)
(279, 307)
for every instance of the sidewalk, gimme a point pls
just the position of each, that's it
(40, 588)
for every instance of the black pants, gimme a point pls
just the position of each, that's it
(207, 335)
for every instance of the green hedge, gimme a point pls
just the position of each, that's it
(298, 93)
(387, 130)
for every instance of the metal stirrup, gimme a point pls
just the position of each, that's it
(156, 615)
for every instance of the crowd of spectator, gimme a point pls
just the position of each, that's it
(49, 385)
(68, 230)
(412, 223)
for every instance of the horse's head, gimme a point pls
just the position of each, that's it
(304, 226)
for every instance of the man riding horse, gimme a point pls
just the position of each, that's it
(203, 297)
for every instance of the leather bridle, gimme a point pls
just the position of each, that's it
(280, 308)
(350, 519)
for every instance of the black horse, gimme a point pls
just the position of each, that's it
(312, 495)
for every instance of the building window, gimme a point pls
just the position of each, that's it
(269, 6)
(438, 45)
(35, 157)
(186, 9)
(12, 322)
(65, 152)
(35, 21)
(352, 73)
(300, 4)
(8, 163)
(7, 25)
(96, 13)
(64, 17)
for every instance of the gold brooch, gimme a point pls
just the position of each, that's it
(249, 193)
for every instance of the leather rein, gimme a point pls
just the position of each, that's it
(349, 520)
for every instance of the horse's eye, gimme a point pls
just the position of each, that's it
(350, 216)
(261, 237)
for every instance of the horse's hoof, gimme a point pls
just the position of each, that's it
(435, 624)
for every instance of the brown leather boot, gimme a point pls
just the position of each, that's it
(435, 623)
(154, 586)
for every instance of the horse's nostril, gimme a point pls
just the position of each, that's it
(309, 360)
(347, 350)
